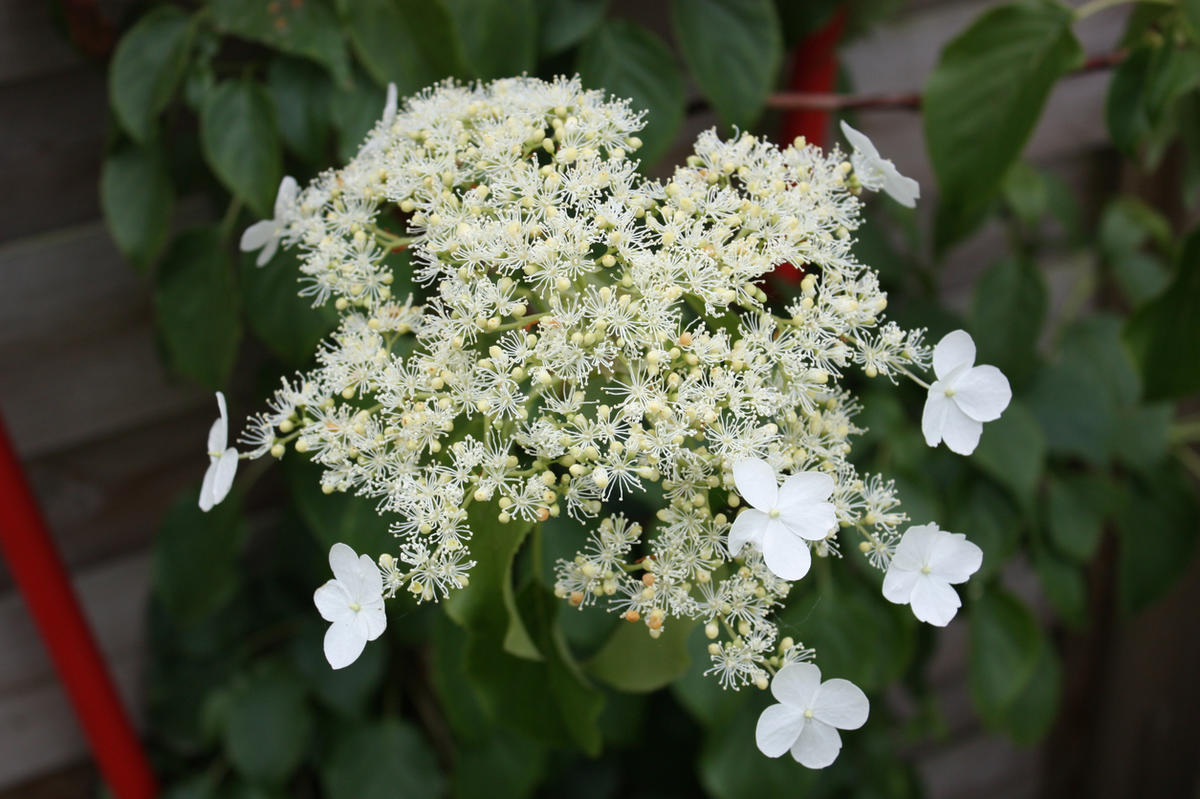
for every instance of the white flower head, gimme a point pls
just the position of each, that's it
(353, 603)
(781, 520)
(223, 461)
(265, 235)
(390, 106)
(809, 715)
(927, 561)
(877, 173)
(963, 397)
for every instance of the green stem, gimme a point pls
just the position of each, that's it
(1185, 431)
(230, 218)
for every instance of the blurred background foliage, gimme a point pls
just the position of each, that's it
(1088, 466)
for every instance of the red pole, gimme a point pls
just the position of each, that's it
(29, 551)
(814, 69)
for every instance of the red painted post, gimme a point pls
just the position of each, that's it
(814, 69)
(38, 571)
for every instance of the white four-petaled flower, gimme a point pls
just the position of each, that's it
(223, 461)
(926, 562)
(265, 235)
(781, 520)
(809, 715)
(963, 397)
(877, 173)
(353, 603)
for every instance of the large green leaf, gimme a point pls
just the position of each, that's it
(701, 694)
(281, 318)
(337, 517)
(1063, 582)
(628, 61)
(498, 40)
(987, 517)
(733, 48)
(241, 143)
(136, 195)
(1165, 333)
(411, 43)
(1007, 311)
(1157, 526)
(146, 68)
(507, 765)
(381, 760)
(309, 29)
(346, 691)
(267, 724)
(195, 558)
(1006, 646)
(565, 22)
(1070, 401)
(731, 767)
(633, 661)
(1028, 717)
(1074, 514)
(1013, 451)
(196, 308)
(982, 99)
(299, 92)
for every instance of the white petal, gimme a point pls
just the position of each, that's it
(375, 618)
(267, 252)
(288, 189)
(778, 728)
(369, 586)
(933, 418)
(813, 522)
(389, 105)
(917, 546)
(954, 350)
(343, 645)
(817, 746)
(804, 489)
(982, 393)
(343, 561)
(206, 488)
(223, 472)
(218, 434)
(901, 189)
(955, 559)
(796, 684)
(898, 584)
(841, 704)
(756, 482)
(960, 432)
(257, 235)
(333, 603)
(859, 141)
(748, 527)
(785, 553)
(934, 601)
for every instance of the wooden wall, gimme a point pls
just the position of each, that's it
(108, 439)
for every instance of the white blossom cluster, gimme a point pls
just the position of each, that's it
(583, 334)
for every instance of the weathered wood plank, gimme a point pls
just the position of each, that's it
(29, 44)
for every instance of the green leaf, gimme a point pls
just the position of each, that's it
(1191, 13)
(507, 765)
(136, 195)
(1096, 341)
(267, 725)
(1013, 451)
(309, 29)
(336, 517)
(1124, 109)
(498, 40)
(1064, 584)
(982, 100)
(1007, 311)
(146, 68)
(565, 22)
(1029, 716)
(1006, 645)
(1164, 334)
(1072, 405)
(1157, 526)
(411, 43)
(628, 61)
(1074, 513)
(196, 308)
(346, 691)
(241, 143)
(731, 767)
(382, 760)
(299, 93)
(282, 319)
(634, 662)
(355, 111)
(1026, 193)
(195, 558)
(699, 693)
(989, 519)
(733, 48)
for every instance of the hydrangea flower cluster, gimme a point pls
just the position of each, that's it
(581, 334)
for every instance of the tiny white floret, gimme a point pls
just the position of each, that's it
(809, 715)
(963, 397)
(781, 520)
(875, 172)
(223, 461)
(927, 561)
(265, 235)
(353, 603)
(390, 106)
